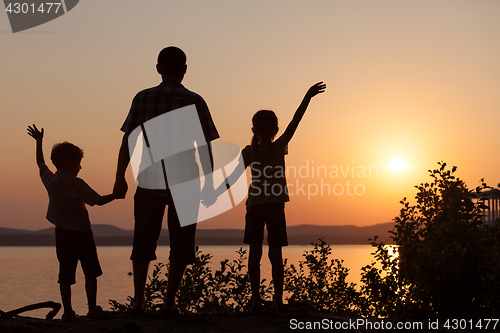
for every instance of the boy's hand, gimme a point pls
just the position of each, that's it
(38, 136)
(318, 88)
(35, 133)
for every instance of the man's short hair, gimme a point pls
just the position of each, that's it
(65, 152)
(171, 61)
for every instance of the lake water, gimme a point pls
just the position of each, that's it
(28, 275)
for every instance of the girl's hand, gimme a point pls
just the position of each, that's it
(318, 88)
(35, 133)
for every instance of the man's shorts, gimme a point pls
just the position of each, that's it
(149, 208)
(72, 246)
(271, 215)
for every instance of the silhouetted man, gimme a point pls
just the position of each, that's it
(161, 123)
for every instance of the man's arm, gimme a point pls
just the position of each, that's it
(38, 136)
(207, 163)
(206, 158)
(120, 188)
(207, 166)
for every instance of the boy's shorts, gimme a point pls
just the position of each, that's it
(73, 246)
(149, 208)
(272, 215)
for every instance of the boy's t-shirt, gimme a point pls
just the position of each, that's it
(67, 198)
(268, 173)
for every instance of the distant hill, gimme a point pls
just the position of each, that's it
(9, 231)
(339, 234)
(104, 230)
(108, 235)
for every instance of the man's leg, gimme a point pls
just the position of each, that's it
(91, 290)
(148, 213)
(254, 258)
(140, 268)
(182, 249)
(276, 258)
(175, 275)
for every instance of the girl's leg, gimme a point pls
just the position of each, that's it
(140, 268)
(254, 272)
(276, 258)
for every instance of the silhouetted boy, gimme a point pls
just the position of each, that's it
(74, 239)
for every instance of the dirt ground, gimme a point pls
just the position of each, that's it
(150, 323)
(298, 320)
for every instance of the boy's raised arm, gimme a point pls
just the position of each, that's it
(318, 88)
(38, 136)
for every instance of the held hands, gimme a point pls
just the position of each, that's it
(35, 133)
(318, 88)
(208, 195)
(120, 188)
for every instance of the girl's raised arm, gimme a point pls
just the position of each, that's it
(318, 88)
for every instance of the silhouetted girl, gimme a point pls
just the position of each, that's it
(267, 195)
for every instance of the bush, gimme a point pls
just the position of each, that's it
(201, 291)
(227, 290)
(447, 264)
(382, 290)
(322, 282)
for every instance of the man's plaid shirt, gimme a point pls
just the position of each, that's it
(156, 101)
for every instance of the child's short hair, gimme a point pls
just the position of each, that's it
(65, 152)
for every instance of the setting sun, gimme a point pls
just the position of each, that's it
(397, 164)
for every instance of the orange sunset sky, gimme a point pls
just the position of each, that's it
(418, 80)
